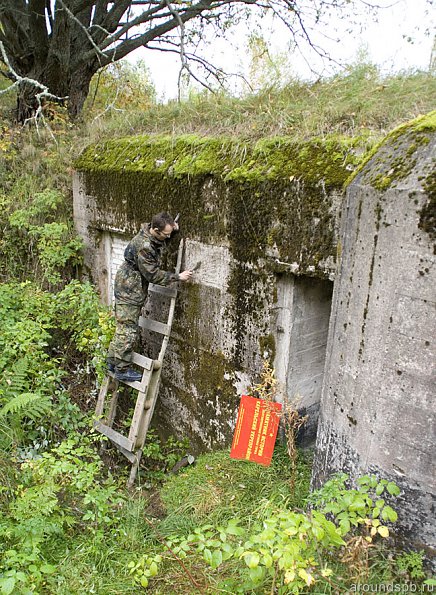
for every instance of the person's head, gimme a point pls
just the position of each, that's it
(162, 225)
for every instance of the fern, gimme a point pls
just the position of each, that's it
(18, 401)
(16, 380)
(31, 405)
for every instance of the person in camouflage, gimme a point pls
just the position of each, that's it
(141, 266)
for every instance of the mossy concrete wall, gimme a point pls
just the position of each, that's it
(262, 219)
(264, 222)
(378, 406)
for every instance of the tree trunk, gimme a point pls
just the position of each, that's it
(69, 90)
(79, 89)
(27, 103)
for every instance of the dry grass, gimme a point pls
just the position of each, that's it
(357, 102)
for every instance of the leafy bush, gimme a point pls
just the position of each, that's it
(288, 549)
(39, 333)
(61, 492)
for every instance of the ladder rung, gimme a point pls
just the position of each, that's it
(162, 290)
(141, 360)
(138, 385)
(154, 325)
(114, 436)
(129, 455)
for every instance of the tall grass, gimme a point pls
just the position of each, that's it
(359, 101)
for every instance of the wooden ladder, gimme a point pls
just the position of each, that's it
(148, 387)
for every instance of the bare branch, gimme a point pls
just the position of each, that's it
(43, 93)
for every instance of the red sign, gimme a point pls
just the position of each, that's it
(256, 430)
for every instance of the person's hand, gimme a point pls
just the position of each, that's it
(185, 276)
(175, 226)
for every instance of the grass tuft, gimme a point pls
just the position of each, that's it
(358, 102)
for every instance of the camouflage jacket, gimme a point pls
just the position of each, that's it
(142, 261)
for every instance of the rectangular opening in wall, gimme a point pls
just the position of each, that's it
(304, 305)
(116, 246)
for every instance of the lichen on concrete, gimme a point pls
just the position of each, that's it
(395, 157)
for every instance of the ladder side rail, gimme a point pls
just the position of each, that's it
(112, 407)
(148, 409)
(101, 397)
(139, 407)
(166, 338)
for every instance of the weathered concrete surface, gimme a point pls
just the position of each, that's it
(377, 408)
(301, 328)
(266, 241)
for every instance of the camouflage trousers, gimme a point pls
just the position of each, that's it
(126, 334)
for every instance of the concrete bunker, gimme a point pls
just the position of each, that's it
(262, 220)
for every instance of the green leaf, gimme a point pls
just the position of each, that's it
(252, 559)
(344, 526)
(256, 574)
(217, 558)
(389, 514)
(153, 569)
(47, 568)
(379, 489)
(7, 585)
(144, 581)
(234, 530)
(393, 489)
(318, 532)
(358, 504)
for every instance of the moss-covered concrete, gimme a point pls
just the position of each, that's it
(316, 160)
(394, 158)
(273, 194)
(270, 202)
(272, 207)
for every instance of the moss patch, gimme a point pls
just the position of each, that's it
(188, 155)
(427, 219)
(394, 158)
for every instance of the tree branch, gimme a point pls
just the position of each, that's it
(43, 93)
(85, 30)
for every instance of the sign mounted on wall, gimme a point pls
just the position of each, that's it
(256, 430)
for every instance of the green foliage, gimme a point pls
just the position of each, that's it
(144, 568)
(120, 86)
(357, 102)
(291, 550)
(39, 332)
(62, 491)
(410, 565)
(286, 545)
(88, 325)
(51, 242)
(38, 240)
(361, 506)
(158, 457)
